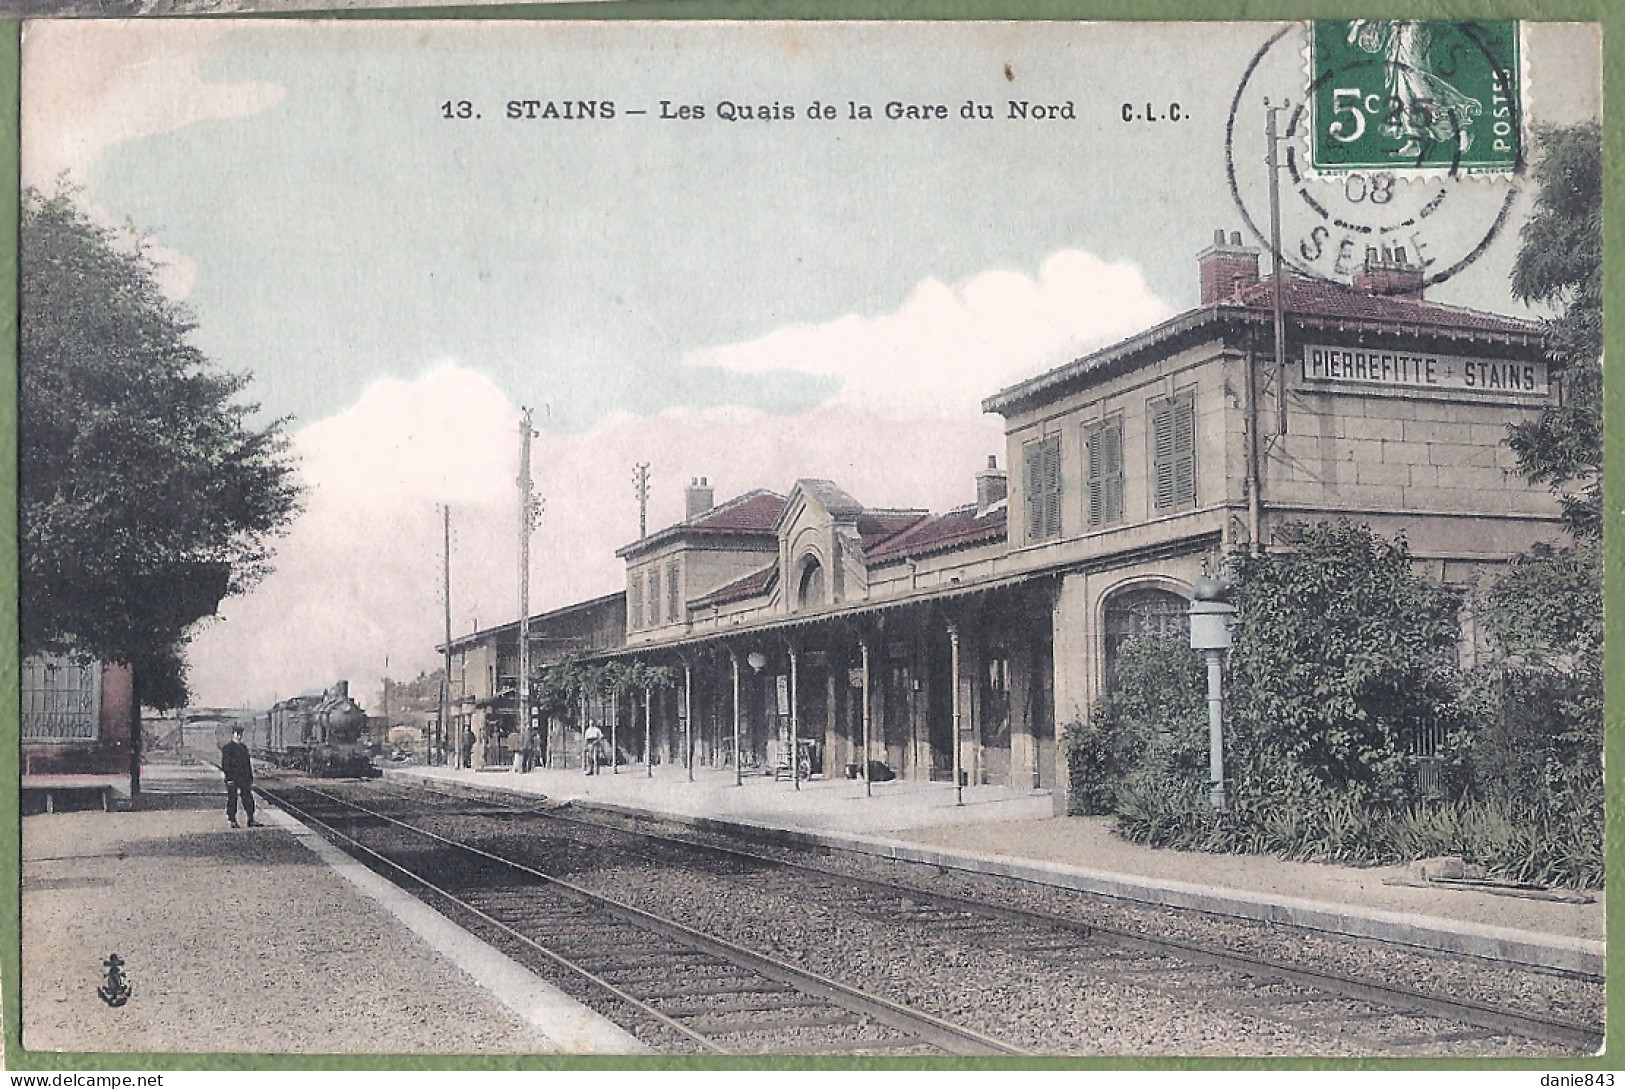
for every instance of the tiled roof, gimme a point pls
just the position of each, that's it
(752, 585)
(755, 512)
(875, 527)
(1309, 303)
(1314, 298)
(958, 528)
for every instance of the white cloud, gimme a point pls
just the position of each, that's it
(949, 346)
(89, 84)
(358, 578)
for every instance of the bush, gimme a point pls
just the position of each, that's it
(1343, 659)
(1153, 724)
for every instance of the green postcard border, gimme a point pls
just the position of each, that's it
(1610, 16)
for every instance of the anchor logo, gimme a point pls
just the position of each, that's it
(117, 990)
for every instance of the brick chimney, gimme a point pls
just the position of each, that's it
(1226, 267)
(1387, 271)
(991, 485)
(697, 498)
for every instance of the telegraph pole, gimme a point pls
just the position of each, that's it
(438, 756)
(528, 509)
(1278, 306)
(640, 486)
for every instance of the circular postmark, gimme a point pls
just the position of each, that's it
(1397, 148)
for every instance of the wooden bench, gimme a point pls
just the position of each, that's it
(52, 787)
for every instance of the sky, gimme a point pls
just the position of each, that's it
(750, 300)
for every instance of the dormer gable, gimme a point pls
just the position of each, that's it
(824, 534)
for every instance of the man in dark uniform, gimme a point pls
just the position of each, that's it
(239, 777)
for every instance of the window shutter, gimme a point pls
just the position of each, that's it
(634, 597)
(1162, 441)
(654, 597)
(1052, 486)
(1112, 485)
(1095, 451)
(1034, 490)
(674, 593)
(1185, 452)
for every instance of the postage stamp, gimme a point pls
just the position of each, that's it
(1014, 489)
(1406, 96)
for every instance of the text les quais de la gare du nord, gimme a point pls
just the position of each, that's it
(727, 110)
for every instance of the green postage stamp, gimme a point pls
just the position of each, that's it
(1415, 96)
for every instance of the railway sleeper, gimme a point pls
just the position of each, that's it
(720, 988)
(663, 964)
(737, 982)
(748, 1005)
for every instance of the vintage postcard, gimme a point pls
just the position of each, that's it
(841, 539)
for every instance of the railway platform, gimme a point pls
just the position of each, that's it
(1018, 834)
(221, 932)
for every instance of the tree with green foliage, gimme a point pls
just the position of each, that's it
(1343, 657)
(1537, 737)
(1560, 265)
(145, 492)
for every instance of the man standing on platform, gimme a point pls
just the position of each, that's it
(593, 739)
(239, 777)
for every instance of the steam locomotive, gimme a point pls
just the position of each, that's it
(321, 734)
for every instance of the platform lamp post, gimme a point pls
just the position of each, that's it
(1211, 615)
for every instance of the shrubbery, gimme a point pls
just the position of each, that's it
(1152, 727)
(1343, 656)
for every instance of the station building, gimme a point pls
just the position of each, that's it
(901, 642)
(485, 670)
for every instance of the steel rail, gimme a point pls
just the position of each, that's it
(563, 962)
(955, 1039)
(1467, 1011)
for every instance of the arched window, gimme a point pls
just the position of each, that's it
(810, 594)
(1143, 612)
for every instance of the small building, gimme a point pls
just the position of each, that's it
(483, 688)
(79, 729)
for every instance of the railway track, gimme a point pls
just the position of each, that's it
(683, 989)
(1371, 1016)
